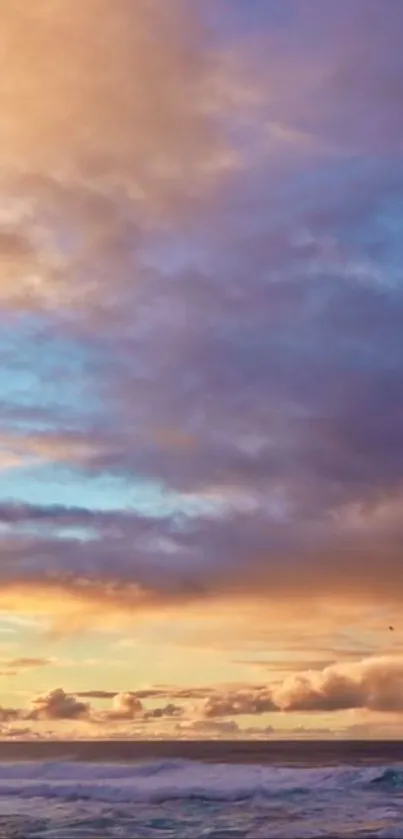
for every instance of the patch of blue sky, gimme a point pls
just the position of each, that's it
(50, 485)
(22, 389)
(34, 341)
(38, 368)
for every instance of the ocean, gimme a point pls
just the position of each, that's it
(214, 790)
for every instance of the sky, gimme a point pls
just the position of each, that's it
(201, 369)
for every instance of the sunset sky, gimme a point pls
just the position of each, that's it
(201, 368)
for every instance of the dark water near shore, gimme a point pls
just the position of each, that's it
(211, 790)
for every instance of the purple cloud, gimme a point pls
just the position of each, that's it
(231, 310)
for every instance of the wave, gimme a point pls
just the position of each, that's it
(69, 769)
(164, 780)
(389, 778)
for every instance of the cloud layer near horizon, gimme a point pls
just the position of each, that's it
(372, 686)
(201, 303)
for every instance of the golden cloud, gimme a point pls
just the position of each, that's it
(109, 112)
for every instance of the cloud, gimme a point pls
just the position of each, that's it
(14, 666)
(244, 553)
(371, 687)
(244, 353)
(170, 710)
(319, 732)
(19, 732)
(240, 702)
(96, 694)
(71, 76)
(126, 706)
(258, 731)
(344, 94)
(157, 692)
(8, 714)
(218, 728)
(374, 684)
(289, 664)
(151, 73)
(22, 663)
(23, 450)
(57, 705)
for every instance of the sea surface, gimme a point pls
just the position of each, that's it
(214, 790)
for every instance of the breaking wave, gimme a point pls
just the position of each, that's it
(389, 778)
(165, 780)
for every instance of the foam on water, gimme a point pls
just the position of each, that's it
(181, 798)
(180, 779)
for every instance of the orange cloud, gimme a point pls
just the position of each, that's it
(17, 450)
(375, 684)
(57, 705)
(126, 706)
(240, 702)
(27, 662)
(119, 91)
(108, 114)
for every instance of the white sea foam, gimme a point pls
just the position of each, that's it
(160, 798)
(158, 781)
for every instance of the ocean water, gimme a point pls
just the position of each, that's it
(209, 790)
